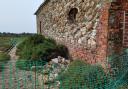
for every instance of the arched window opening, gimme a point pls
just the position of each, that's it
(72, 15)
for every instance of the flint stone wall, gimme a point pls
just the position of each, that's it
(86, 38)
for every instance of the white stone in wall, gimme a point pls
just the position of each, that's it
(90, 17)
(74, 31)
(80, 41)
(89, 26)
(98, 5)
(79, 1)
(91, 43)
(72, 5)
(78, 35)
(83, 30)
(88, 4)
(72, 41)
(92, 4)
(67, 5)
(83, 40)
(55, 25)
(63, 1)
(67, 33)
(93, 34)
(95, 25)
(96, 17)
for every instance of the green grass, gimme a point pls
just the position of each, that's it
(27, 65)
(80, 75)
(3, 60)
(125, 86)
(7, 42)
(4, 57)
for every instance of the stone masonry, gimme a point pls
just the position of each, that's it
(81, 25)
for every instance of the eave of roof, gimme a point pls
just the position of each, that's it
(43, 4)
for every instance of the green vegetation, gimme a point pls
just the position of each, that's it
(4, 57)
(27, 65)
(125, 86)
(38, 47)
(7, 34)
(7, 41)
(80, 75)
(119, 63)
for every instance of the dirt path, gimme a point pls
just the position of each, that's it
(13, 78)
(12, 53)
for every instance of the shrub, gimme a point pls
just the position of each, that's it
(80, 75)
(37, 47)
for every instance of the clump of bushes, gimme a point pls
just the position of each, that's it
(38, 47)
(80, 75)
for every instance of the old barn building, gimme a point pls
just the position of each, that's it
(91, 29)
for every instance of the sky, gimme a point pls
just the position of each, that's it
(17, 16)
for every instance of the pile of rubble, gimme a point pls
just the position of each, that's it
(48, 77)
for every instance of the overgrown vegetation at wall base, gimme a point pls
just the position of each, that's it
(38, 47)
(80, 75)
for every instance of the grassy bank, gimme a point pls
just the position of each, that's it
(80, 75)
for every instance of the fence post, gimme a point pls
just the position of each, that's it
(35, 74)
(3, 77)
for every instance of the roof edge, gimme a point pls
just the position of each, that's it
(43, 4)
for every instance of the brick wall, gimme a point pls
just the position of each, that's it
(102, 37)
(125, 38)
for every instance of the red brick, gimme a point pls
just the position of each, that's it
(125, 37)
(125, 40)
